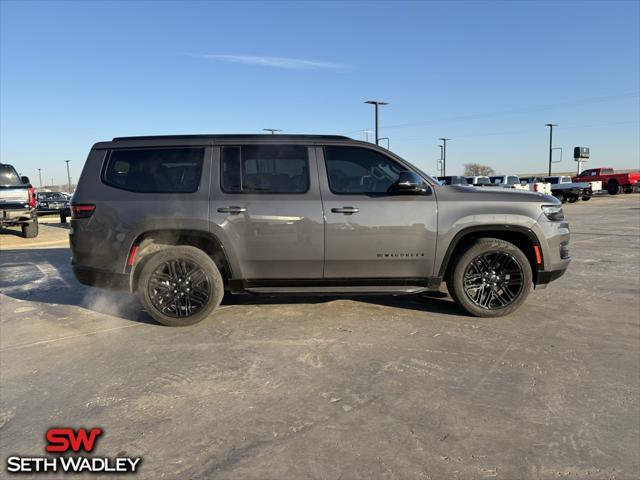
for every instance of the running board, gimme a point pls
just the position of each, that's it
(337, 290)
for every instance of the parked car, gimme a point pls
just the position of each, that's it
(613, 182)
(452, 180)
(567, 191)
(17, 202)
(181, 219)
(536, 184)
(508, 181)
(53, 202)
(479, 181)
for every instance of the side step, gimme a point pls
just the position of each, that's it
(336, 290)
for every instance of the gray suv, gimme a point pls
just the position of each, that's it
(182, 219)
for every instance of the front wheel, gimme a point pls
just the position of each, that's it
(491, 278)
(180, 286)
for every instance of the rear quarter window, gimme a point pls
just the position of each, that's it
(155, 170)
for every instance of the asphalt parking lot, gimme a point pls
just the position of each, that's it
(336, 388)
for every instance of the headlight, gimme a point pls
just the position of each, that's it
(553, 212)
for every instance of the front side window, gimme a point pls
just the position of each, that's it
(360, 170)
(155, 170)
(265, 169)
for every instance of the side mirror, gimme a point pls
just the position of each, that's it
(25, 180)
(409, 182)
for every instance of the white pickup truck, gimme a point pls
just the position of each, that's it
(515, 182)
(564, 189)
(17, 202)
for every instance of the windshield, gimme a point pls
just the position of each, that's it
(9, 177)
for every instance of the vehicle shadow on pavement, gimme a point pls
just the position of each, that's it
(11, 231)
(44, 275)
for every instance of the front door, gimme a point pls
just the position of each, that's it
(370, 233)
(267, 202)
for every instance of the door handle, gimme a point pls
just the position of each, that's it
(345, 210)
(232, 210)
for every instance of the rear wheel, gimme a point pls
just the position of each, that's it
(613, 188)
(628, 189)
(180, 286)
(492, 278)
(560, 196)
(573, 199)
(63, 218)
(30, 230)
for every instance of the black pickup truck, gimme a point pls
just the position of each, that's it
(17, 202)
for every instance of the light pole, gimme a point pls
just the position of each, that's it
(440, 163)
(40, 177)
(376, 103)
(68, 176)
(366, 134)
(272, 130)
(444, 155)
(550, 125)
(387, 139)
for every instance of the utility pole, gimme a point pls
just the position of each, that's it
(40, 176)
(441, 161)
(376, 103)
(550, 125)
(272, 130)
(68, 176)
(444, 155)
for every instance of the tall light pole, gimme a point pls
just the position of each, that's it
(40, 176)
(387, 139)
(272, 130)
(441, 160)
(376, 103)
(366, 134)
(550, 125)
(68, 176)
(444, 155)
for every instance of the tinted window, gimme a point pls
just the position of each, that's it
(157, 170)
(9, 177)
(360, 170)
(265, 169)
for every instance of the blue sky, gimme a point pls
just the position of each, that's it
(488, 75)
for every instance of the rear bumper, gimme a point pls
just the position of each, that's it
(16, 217)
(544, 278)
(100, 278)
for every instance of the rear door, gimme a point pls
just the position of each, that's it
(368, 232)
(267, 201)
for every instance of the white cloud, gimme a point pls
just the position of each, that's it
(279, 62)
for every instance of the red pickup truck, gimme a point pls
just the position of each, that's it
(611, 182)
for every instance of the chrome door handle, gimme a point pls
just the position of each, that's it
(345, 210)
(232, 210)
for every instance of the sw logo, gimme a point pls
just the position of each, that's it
(70, 441)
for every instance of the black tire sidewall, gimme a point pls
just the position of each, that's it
(455, 282)
(30, 230)
(192, 254)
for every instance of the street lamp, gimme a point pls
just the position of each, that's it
(387, 139)
(440, 161)
(376, 103)
(272, 130)
(68, 176)
(444, 155)
(550, 125)
(40, 176)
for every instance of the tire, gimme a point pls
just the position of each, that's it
(183, 261)
(560, 196)
(573, 199)
(586, 198)
(30, 230)
(63, 218)
(627, 189)
(465, 263)
(613, 188)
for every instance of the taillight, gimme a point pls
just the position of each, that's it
(32, 197)
(82, 211)
(536, 187)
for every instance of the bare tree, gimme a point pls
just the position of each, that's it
(475, 169)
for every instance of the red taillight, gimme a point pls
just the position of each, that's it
(82, 211)
(536, 187)
(32, 197)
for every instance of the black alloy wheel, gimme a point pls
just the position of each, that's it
(493, 280)
(179, 288)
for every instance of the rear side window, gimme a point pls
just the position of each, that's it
(265, 169)
(155, 170)
(9, 177)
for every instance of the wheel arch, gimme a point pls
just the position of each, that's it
(152, 241)
(523, 238)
